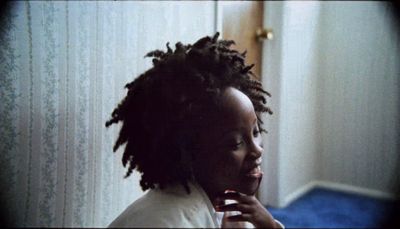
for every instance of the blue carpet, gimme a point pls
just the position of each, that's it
(326, 208)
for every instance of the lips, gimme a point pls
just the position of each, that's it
(254, 172)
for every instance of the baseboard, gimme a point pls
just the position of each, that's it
(337, 187)
(354, 189)
(298, 193)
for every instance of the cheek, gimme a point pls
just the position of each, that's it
(219, 165)
(230, 165)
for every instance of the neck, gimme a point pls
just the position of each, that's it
(211, 194)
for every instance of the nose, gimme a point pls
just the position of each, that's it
(256, 150)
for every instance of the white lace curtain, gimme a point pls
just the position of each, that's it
(63, 68)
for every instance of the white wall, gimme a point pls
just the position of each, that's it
(359, 65)
(290, 72)
(333, 73)
(271, 77)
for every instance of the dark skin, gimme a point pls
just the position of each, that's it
(230, 151)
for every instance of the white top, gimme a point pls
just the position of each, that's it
(172, 207)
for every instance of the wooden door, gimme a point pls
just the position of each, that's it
(239, 21)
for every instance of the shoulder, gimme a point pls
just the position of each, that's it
(166, 208)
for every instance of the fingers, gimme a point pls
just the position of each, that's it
(241, 217)
(233, 195)
(261, 223)
(233, 207)
(250, 208)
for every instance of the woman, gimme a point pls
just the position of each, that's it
(191, 129)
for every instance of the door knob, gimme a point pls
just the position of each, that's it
(264, 33)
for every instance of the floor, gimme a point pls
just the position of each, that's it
(332, 209)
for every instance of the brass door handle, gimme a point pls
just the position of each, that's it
(264, 33)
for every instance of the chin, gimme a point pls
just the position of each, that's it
(249, 186)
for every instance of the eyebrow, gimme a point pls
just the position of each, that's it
(230, 131)
(236, 129)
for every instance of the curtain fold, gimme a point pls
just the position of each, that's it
(63, 69)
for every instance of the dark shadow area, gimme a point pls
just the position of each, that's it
(7, 219)
(393, 218)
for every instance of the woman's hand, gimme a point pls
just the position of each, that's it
(251, 210)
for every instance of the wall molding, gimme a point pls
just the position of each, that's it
(336, 187)
(355, 189)
(297, 193)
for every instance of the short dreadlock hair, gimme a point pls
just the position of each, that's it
(167, 103)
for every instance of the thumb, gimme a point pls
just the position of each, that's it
(229, 224)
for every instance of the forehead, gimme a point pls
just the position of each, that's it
(233, 100)
(236, 110)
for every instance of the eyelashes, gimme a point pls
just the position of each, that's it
(235, 143)
(256, 132)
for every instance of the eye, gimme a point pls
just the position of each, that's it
(237, 145)
(256, 132)
(234, 145)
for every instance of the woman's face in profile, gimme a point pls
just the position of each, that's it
(231, 148)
